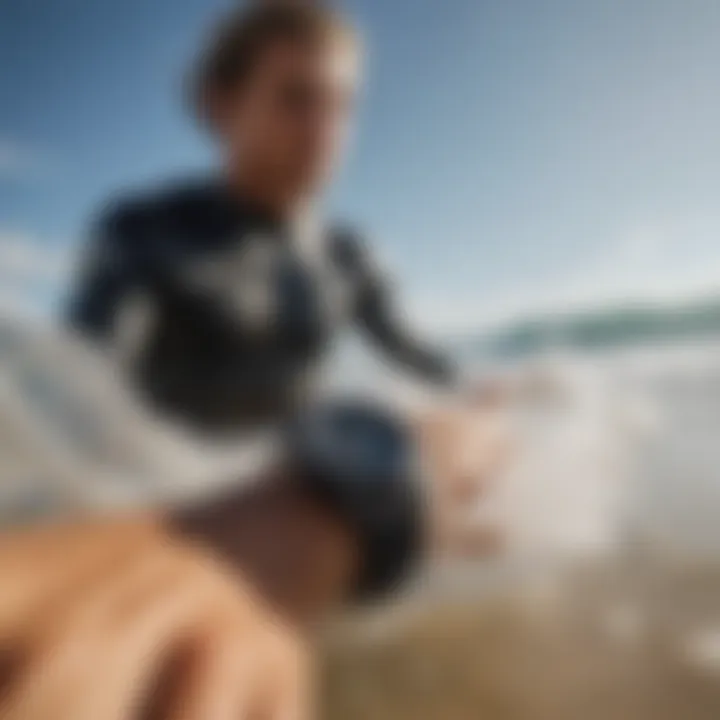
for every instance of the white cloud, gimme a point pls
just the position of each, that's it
(663, 262)
(17, 303)
(28, 268)
(23, 259)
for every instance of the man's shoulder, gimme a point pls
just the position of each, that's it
(354, 251)
(135, 215)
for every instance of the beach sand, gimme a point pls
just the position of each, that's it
(588, 650)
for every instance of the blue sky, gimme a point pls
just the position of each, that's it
(511, 154)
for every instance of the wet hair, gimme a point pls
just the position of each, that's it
(245, 35)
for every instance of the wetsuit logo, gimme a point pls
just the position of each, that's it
(244, 281)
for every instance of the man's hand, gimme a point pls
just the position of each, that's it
(121, 621)
(466, 445)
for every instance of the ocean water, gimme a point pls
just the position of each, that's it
(604, 600)
(620, 446)
(611, 443)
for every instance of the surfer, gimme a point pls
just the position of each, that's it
(243, 284)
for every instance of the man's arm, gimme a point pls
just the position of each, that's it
(379, 316)
(108, 274)
(378, 313)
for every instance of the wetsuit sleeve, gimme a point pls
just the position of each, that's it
(380, 316)
(107, 276)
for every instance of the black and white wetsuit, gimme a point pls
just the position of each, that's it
(242, 316)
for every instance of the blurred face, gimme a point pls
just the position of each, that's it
(287, 126)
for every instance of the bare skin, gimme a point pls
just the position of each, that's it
(201, 614)
(282, 135)
(122, 620)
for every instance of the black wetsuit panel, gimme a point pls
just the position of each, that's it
(240, 320)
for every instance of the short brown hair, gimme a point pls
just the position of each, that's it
(247, 32)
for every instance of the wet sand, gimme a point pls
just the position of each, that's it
(595, 648)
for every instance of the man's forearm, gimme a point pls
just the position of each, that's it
(426, 361)
(395, 338)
